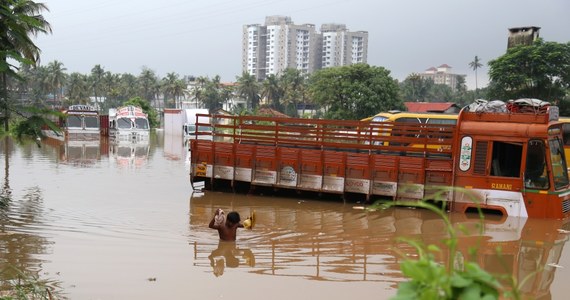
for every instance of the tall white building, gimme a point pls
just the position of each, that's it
(341, 47)
(280, 44)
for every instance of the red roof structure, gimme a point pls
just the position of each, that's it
(269, 112)
(433, 107)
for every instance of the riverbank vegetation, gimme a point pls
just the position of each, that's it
(20, 286)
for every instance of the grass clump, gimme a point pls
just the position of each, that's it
(22, 286)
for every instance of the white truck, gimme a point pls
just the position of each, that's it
(191, 130)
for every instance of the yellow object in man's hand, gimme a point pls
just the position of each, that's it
(247, 223)
(250, 221)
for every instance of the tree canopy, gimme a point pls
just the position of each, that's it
(540, 70)
(19, 20)
(354, 92)
(149, 110)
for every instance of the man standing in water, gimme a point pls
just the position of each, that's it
(228, 229)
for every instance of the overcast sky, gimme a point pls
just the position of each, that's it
(203, 38)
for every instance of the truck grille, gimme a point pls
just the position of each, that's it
(565, 206)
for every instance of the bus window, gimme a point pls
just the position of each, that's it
(410, 117)
(536, 174)
(408, 120)
(566, 133)
(506, 160)
(442, 121)
(379, 119)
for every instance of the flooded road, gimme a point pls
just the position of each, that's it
(99, 221)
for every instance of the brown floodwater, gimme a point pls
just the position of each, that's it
(101, 221)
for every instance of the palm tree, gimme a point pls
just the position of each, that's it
(198, 90)
(77, 88)
(476, 64)
(248, 88)
(147, 80)
(173, 86)
(96, 75)
(41, 84)
(213, 94)
(128, 87)
(18, 20)
(110, 87)
(56, 79)
(293, 86)
(272, 91)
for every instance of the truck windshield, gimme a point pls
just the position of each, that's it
(74, 121)
(141, 123)
(124, 123)
(91, 122)
(536, 173)
(557, 159)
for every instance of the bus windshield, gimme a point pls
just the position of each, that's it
(379, 119)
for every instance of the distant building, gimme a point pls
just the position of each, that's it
(432, 107)
(522, 36)
(342, 47)
(189, 100)
(279, 44)
(442, 75)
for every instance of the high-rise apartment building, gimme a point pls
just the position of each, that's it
(280, 44)
(341, 47)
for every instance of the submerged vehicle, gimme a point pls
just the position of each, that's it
(197, 125)
(79, 122)
(128, 124)
(505, 162)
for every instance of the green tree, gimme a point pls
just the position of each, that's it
(127, 88)
(441, 93)
(248, 88)
(540, 70)
(56, 79)
(147, 81)
(198, 90)
(476, 64)
(173, 86)
(35, 84)
(19, 19)
(77, 88)
(416, 89)
(271, 91)
(97, 74)
(354, 92)
(292, 86)
(213, 94)
(149, 110)
(110, 89)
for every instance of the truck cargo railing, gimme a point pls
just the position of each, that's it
(340, 135)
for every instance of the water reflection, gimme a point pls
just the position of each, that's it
(83, 153)
(79, 228)
(130, 155)
(329, 241)
(19, 241)
(175, 148)
(228, 254)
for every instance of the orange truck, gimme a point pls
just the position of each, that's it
(510, 163)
